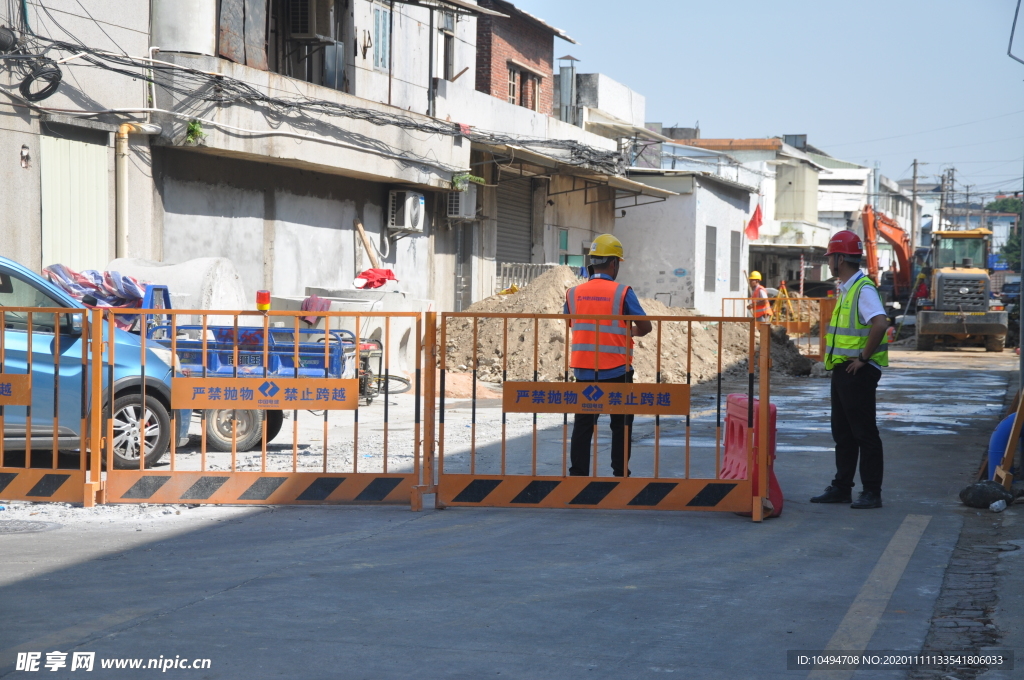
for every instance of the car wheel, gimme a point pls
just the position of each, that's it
(134, 432)
(248, 432)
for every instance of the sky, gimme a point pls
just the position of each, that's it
(866, 81)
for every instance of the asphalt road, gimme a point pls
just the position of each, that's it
(381, 592)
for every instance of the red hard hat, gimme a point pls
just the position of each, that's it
(845, 243)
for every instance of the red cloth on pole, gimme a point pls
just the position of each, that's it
(755, 224)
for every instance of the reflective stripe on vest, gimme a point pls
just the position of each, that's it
(615, 330)
(605, 349)
(599, 344)
(847, 336)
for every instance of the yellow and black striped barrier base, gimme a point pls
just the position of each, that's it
(613, 493)
(64, 486)
(257, 488)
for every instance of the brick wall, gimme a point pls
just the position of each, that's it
(499, 40)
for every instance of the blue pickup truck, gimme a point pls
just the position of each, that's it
(282, 350)
(134, 433)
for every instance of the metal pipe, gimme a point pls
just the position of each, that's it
(391, 47)
(121, 180)
(121, 189)
(431, 93)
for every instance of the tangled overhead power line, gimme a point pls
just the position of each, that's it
(41, 74)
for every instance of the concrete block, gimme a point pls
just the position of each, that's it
(204, 283)
(402, 346)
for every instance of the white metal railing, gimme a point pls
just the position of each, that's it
(519, 274)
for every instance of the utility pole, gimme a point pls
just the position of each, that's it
(967, 206)
(951, 201)
(942, 203)
(913, 213)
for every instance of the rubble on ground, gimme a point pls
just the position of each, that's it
(983, 494)
(546, 295)
(141, 515)
(818, 370)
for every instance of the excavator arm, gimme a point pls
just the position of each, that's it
(875, 225)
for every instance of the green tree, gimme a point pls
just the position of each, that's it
(1007, 205)
(1011, 251)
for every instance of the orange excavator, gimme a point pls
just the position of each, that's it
(878, 224)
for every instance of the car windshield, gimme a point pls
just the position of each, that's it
(953, 251)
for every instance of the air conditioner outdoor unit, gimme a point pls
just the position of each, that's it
(310, 20)
(462, 204)
(406, 211)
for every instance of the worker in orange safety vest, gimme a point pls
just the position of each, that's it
(602, 351)
(761, 304)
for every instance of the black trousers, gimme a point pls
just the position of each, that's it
(583, 436)
(854, 428)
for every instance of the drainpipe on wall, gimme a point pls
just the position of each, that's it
(121, 180)
(431, 95)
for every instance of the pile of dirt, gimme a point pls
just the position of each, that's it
(460, 386)
(546, 295)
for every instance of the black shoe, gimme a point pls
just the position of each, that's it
(867, 500)
(833, 494)
(578, 474)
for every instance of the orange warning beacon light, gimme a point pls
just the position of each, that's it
(263, 300)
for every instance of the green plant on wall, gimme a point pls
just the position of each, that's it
(194, 133)
(462, 180)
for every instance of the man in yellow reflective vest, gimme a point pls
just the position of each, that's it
(602, 351)
(856, 352)
(760, 304)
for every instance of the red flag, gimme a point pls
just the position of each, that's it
(755, 224)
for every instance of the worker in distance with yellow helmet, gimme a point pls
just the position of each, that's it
(760, 304)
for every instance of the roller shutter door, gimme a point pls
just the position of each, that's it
(74, 185)
(515, 221)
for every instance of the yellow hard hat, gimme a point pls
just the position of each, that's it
(755, 276)
(606, 245)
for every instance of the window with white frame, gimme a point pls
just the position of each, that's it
(381, 37)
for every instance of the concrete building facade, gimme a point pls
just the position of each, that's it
(266, 142)
(689, 250)
(69, 162)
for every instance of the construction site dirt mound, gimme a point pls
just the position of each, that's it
(691, 341)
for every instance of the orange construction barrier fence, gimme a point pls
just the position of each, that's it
(523, 459)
